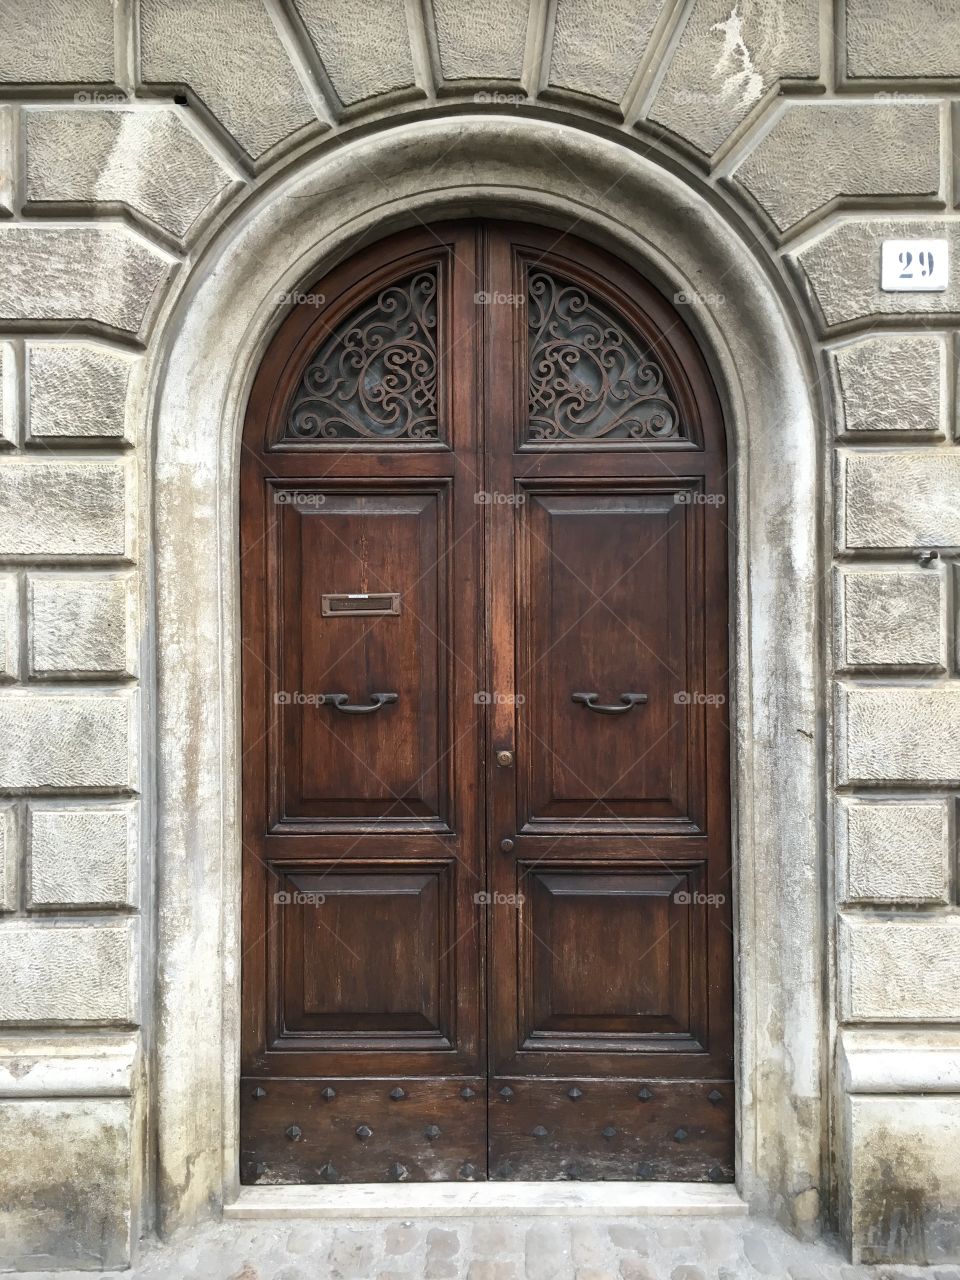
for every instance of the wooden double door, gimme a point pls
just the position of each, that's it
(486, 886)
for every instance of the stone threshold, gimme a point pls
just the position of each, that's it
(494, 1199)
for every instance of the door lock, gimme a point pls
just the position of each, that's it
(504, 759)
(507, 845)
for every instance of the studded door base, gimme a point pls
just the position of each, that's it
(303, 1131)
(659, 1130)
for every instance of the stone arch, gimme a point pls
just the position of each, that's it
(195, 386)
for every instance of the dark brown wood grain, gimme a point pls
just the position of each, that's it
(420, 912)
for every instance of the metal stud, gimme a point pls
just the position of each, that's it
(645, 1170)
(294, 1133)
(364, 1132)
(259, 1093)
(466, 1094)
(431, 1131)
(467, 1171)
(539, 1131)
(644, 1095)
(714, 1096)
(398, 1093)
(609, 1131)
(259, 1170)
(506, 1093)
(328, 1094)
(328, 1173)
(574, 1093)
(399, 1173)
(572, 1171)
(716, 1174)
(504, 1170)
(681, 1135)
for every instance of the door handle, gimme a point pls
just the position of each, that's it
(340, 703)
(627, 700)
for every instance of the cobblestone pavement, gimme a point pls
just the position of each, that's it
(647, 1248)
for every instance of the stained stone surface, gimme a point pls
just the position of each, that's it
(816, 152)
(728, 58)
(230, 54)
(888, 38)
(597, 48)
(9, 627)
(481, 39)
(890, 619)
(57, 41)
(9, 855)
(67, 973)
(100, 273)
(147, 159)
(77, 390)
(365, 48)
(8, 404)
(893, 383)
(893, 851)
(505, 1248)
(841, 269)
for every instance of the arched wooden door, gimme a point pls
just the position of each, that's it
(486, 884)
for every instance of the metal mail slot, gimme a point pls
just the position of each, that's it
(370, 604)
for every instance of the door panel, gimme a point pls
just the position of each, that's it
(486, 883)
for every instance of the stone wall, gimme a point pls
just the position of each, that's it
(130, 133)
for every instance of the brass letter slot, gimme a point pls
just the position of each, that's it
(350, 604)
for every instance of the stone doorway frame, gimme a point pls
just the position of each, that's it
(755, 337)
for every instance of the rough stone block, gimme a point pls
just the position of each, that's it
(841, 270)
(66, 1201)
(598, 48)
(77, 390)
(365, 49)
(146, 158)
(65, 509)
(479, 41)
(816, 152)
(893, 851)
(902, 970)
(728, 57)
(57, 42)
(57, 741)
(901, 1183)
(899, 500)
(8, 395)
(9, 627)
(212, 48)
(898, 734)
(887, 38)
(68, 973)
(83, 856)
(97, 273)
(8, 126)
(81, 625)
(9, 856)
(890, 618)
(893, 384)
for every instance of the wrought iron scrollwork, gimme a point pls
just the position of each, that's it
(590, 379)
(375, 377)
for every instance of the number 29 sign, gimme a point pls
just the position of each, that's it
(913, 266)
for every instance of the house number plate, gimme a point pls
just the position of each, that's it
(913, 266)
